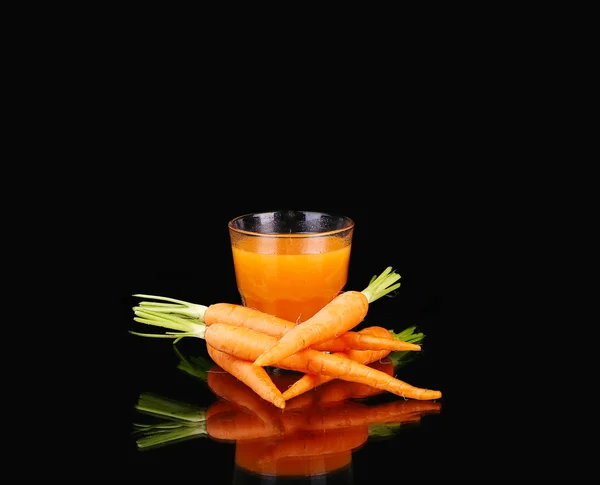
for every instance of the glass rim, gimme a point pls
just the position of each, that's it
(348, 220)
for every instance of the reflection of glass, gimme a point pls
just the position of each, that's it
(290, 263)
(315, 434)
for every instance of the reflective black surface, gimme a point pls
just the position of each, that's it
(196, 266)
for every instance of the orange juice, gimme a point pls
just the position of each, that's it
(291, 277)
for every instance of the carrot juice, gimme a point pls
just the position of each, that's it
(291, 277)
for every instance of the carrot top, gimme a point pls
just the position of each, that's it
(174, 306)
(381, 285)
(185, 327)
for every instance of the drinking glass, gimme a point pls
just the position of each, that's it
(290, 263)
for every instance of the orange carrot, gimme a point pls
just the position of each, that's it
(255, 378)
(247, 345)
(358, 341)
(277, 327)
(337, 390)
(232, 314)
(392, 412)
(340, 315)
(310, 381)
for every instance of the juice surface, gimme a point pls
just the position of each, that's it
(291, 277)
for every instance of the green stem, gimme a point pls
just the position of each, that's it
(181, 307)
(409, 335)
(382, 285)
(185, 327)
(403, 357)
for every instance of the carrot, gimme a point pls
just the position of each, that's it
(340, 315)
(337, 390)
(310, 381)
(189, 317)
(256, 379)
(264, 323)
(247, 345)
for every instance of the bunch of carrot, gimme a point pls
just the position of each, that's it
(244, 341)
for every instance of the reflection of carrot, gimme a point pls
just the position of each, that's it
(249, 455)
(351, 414)
(220, 406)
(312, 443)
(303, 400)
(394, 411)
(239, 424)
(256, 378)
(226, 386)
(310, 381)
(247, 345)
(236, 425)
(340, 315)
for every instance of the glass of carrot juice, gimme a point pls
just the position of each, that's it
(290, 263)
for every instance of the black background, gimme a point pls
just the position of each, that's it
(180, 248)
(410, 141)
